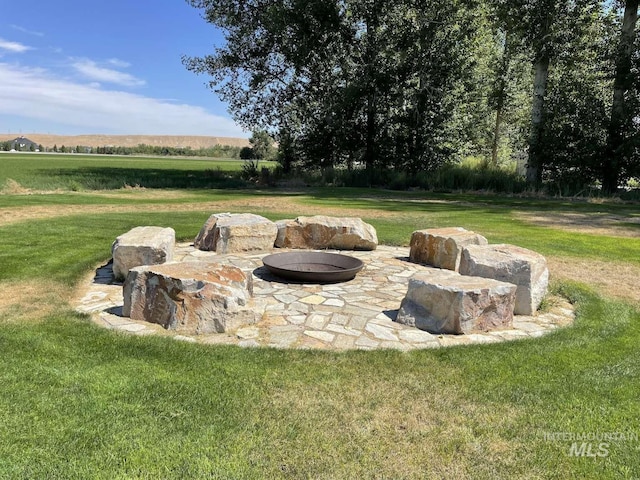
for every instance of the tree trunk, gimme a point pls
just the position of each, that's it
(613, 158)
(500, 102)
(370, 145)
(535, 163)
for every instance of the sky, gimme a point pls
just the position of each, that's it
(72, 67)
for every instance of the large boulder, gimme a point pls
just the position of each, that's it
(442, 301)
(320, 232)
(442, 247)
(142, 246)
(236, 232)
(191, 297)
(509, 263)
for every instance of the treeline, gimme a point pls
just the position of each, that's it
(217, 151)
(412, 86)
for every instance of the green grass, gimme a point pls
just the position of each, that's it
(93, 172)
(77, 401)
(80, 402)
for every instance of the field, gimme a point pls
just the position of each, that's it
(80, 402)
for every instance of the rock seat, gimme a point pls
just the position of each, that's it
(190, 297)
(509, 263)
(442, 301)
(321, 232)
(236, 232)
(442, 247)
(142, 246)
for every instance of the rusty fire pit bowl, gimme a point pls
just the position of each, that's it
(313, 267)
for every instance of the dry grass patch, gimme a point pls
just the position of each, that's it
(259, 204)
(11, 187)
(592, 223)
(31, 301)
(612, 279)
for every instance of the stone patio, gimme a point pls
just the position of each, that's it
(357, 314)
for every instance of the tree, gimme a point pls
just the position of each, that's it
(347, 82)
(246, 153)
(261, 145)
(621, 122)
(55, 148)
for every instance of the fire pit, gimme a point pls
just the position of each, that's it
(313, 267)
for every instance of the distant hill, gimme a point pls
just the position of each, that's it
(176, 141)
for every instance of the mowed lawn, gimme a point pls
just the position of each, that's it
(77, 401)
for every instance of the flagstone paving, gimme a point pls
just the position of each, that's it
(357, 314)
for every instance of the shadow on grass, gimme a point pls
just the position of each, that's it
(112, 178)
(429, 201)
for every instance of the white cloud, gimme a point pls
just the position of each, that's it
(37, 94)
(25, 30)
(116, 62)
(14, 47)
(92, 71)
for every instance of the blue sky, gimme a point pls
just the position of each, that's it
(71, 67)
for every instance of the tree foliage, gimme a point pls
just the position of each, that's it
(411, 85)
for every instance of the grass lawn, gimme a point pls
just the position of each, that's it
(75, 172)
(77, 401)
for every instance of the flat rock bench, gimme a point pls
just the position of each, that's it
(142, 246)
(236, 232)
(509, 263)
(442, 247)
(190, 297)
(321, 232)
(442, 301)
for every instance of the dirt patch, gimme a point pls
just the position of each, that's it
(593, 223)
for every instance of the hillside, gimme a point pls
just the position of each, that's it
(194, 142)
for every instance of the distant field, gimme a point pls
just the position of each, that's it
(90, 172)
(192, 141)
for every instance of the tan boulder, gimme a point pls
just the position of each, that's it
(442, 301)
(142, 246)
(442, 247)
(320, 232)
(236, 232)
(509, 263)
(192, 297)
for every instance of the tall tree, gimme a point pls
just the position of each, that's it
(621, 118)
(346, 80)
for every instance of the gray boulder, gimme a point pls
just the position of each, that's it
(142, 246)
(236, 232)
(191, 298)
(320, 232)
(509, 263)
(441, 301)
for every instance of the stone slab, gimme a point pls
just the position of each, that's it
(442, 247)
(320, 232)
(509, 263)
(142, 246)
(236, 232)
(441, 301)
(192, 298)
